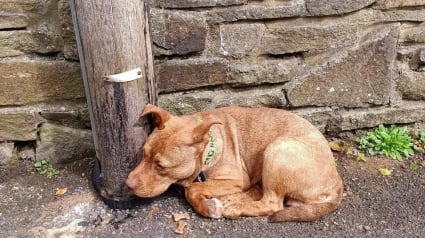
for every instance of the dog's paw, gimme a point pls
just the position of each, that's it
(232, 211)
(215, 207)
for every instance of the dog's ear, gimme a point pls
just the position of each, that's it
(205, 121)
(159, 115)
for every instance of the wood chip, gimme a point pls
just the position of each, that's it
(61, 191)
(181, 227)
(181, 216)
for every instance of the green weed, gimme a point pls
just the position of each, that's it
(45, 168)
(414, 166)
(392, 141)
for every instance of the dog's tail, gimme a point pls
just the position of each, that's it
(303, 212)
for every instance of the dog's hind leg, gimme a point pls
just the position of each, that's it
(273, 206)
(299, 211)
(306, 178)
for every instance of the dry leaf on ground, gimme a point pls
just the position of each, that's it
(181, 216)
(61, 191)
(181, 227)
(336, 145)
(385, 171)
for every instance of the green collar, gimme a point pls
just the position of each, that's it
(211, 150)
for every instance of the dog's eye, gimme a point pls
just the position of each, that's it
(159, 167)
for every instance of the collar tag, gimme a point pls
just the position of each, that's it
(211, 149)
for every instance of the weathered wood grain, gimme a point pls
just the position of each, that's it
(115, 38)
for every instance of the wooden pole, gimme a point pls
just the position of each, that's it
(113, 38)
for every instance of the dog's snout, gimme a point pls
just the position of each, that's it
(130, 182)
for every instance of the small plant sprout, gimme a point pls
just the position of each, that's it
(45, 168)
(392, 141)
(414, 166)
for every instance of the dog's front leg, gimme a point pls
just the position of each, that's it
(203, 196)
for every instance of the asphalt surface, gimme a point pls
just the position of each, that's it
(374, 205)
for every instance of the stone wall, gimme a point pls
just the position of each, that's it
(342, 64)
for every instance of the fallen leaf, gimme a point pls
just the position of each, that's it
(181, 216)
(336, 145)
(385, 171)
(361, 157)
(181, 227)
(349, 150)
(61, 191)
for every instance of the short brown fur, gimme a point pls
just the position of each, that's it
(267, 162)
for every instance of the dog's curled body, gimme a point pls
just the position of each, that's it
(259, 162)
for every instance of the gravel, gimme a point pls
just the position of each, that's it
(373, 206)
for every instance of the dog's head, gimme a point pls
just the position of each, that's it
(172, 153)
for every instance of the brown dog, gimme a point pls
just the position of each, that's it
(259, 162)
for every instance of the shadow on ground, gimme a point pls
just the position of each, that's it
(373, 206)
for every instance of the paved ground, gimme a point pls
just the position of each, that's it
(374, 206)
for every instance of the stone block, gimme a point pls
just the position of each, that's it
(185, 103)
(70, 114)
(255, 11)
(9, 52)
(369, 17)
(13, 21)
(12, 43)
(30, 81)
(175, 75)
(299, 35)
(18, 126)
(264, 71)
(69, 42)
(64, 144)
(177, 32)
(411, 83)
(27, 41)
(21, 123)
(335, 7)
(43, 42)
(21, 5)
(388, 4)
(359, 76)
(38, 29)
(198, 3)
(319, 117)
(415, 34)
(405, 14)
(407, 112)
(6, 153)
(238, 40)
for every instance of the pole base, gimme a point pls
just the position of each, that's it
(96, 179)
